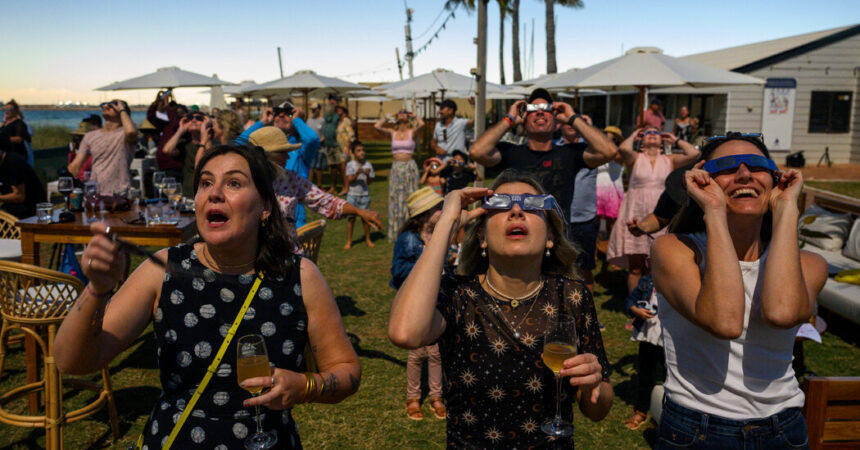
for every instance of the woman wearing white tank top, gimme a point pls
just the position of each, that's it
(734, 287)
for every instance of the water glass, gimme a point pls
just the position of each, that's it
(153, 214)
(45, 212)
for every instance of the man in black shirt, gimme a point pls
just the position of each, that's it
(555, 166)
(20, 188)
(458, 172)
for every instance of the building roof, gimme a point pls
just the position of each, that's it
(749, 57)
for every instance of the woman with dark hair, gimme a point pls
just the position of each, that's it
(243, 252)
(648, 170)
(14, 127)
(515, 275)
(733, 288)
(404, 172)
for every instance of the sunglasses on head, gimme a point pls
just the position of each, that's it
(730, 164)
(532, 107)
(527, 202)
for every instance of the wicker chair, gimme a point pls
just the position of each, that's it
(36, 300)
(9, 233)
(310, 238)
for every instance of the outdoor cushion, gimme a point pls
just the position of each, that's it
(835, 260)
(825, 222)
(10, 249)
(852, 245)
(842, 299)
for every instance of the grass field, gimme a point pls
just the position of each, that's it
(375, 417)
(849, 188)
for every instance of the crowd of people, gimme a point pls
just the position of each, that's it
(481, 274)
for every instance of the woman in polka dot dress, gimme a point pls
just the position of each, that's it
(515, 273)
(193, 306)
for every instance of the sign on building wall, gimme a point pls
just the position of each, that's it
(778, 112)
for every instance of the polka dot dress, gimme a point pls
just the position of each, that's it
(193, 317)
(498, 390)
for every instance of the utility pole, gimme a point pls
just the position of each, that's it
(280, 64)
(399, 65)
(480, 73)
(409, 54)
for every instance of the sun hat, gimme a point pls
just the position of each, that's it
(422, 200)
(271, 139)
(83, 128)
(430, 162)
(146, 126)
(615, 131)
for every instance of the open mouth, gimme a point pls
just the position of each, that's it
(744, 193)
(516, 231)
(216, 218)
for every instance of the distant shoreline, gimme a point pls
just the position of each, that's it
(77, 108)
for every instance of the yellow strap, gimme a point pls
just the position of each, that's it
(214, 365)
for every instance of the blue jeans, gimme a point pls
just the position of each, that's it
(681, 427)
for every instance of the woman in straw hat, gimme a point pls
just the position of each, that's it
(515, 276)
(403, 179)
(425, 207)
(243, 255)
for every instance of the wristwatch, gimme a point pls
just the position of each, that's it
(573, 118)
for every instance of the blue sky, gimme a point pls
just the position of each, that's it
(61, 50)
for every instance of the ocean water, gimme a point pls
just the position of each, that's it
(68, 118)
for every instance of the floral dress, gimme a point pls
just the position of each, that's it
(498, 390)
(193, 316)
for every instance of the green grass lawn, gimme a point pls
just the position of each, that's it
(849, 188)
(375, 417)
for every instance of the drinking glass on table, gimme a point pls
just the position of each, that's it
(173, 191)
(65, 186)
(560, 343)
(253, 361)
(91, 195)
(158, 182)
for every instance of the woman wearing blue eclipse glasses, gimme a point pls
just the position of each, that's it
(733, 287)
(516, 275)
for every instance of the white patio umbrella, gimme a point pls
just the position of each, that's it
(305, 82)
(216, 96)
(165, 78)
(444, 82)
(646, 67)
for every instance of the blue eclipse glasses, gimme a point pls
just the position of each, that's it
(527, 202)
(730, 164)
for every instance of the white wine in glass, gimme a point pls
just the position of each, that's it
(559, 344)
(252, 360)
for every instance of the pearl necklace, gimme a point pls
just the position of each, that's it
(515, 301)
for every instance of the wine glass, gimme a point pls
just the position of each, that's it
(65, 186)
(253, 361)
(91, 194)
(158, 182)
(560, 343)
(173, 191)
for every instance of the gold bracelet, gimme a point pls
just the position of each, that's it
(310, 387)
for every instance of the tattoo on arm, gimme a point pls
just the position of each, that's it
(330, 385)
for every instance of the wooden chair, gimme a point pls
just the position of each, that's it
(36, 300)
(832, 412)
(10, 238)
(310, 238)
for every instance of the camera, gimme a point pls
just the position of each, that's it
(647, 306)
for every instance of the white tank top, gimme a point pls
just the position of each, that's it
(745, 378)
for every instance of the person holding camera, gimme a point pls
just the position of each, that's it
(165, 114)
(111, 147)
(555, 165)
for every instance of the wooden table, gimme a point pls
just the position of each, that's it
(33, 234)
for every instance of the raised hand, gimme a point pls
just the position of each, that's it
(563, 111)
(514, 110)
(787, 190)
(103, 263)
(703, 189)
(267, 116)
(456, 201)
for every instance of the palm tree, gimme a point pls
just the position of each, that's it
(504, 9)
(515, 39)
(550, 29)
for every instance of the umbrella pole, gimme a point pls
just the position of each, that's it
(305, 91)
(576, 99)
(641, 116)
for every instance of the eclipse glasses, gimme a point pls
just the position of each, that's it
(730, 164)
(527, 202)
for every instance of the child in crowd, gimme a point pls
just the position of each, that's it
(641, 305)
(425, 207)
(431, 176)
(459, 172)
(359, 173)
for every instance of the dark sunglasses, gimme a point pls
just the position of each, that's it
(527, 202)
(104, 105)
(278, 111)
(730, 164)
(197, 117)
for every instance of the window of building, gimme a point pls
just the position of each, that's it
(830, 112)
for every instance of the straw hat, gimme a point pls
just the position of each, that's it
(430, 161)
(615, 131)
(422, 200)
(272, 139)
(83, 128)
(146, 126)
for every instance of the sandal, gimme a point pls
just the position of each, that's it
(438, 408)
(636, 421)
(413, 409)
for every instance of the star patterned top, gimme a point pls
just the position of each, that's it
(498, 390)
(193, 316)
